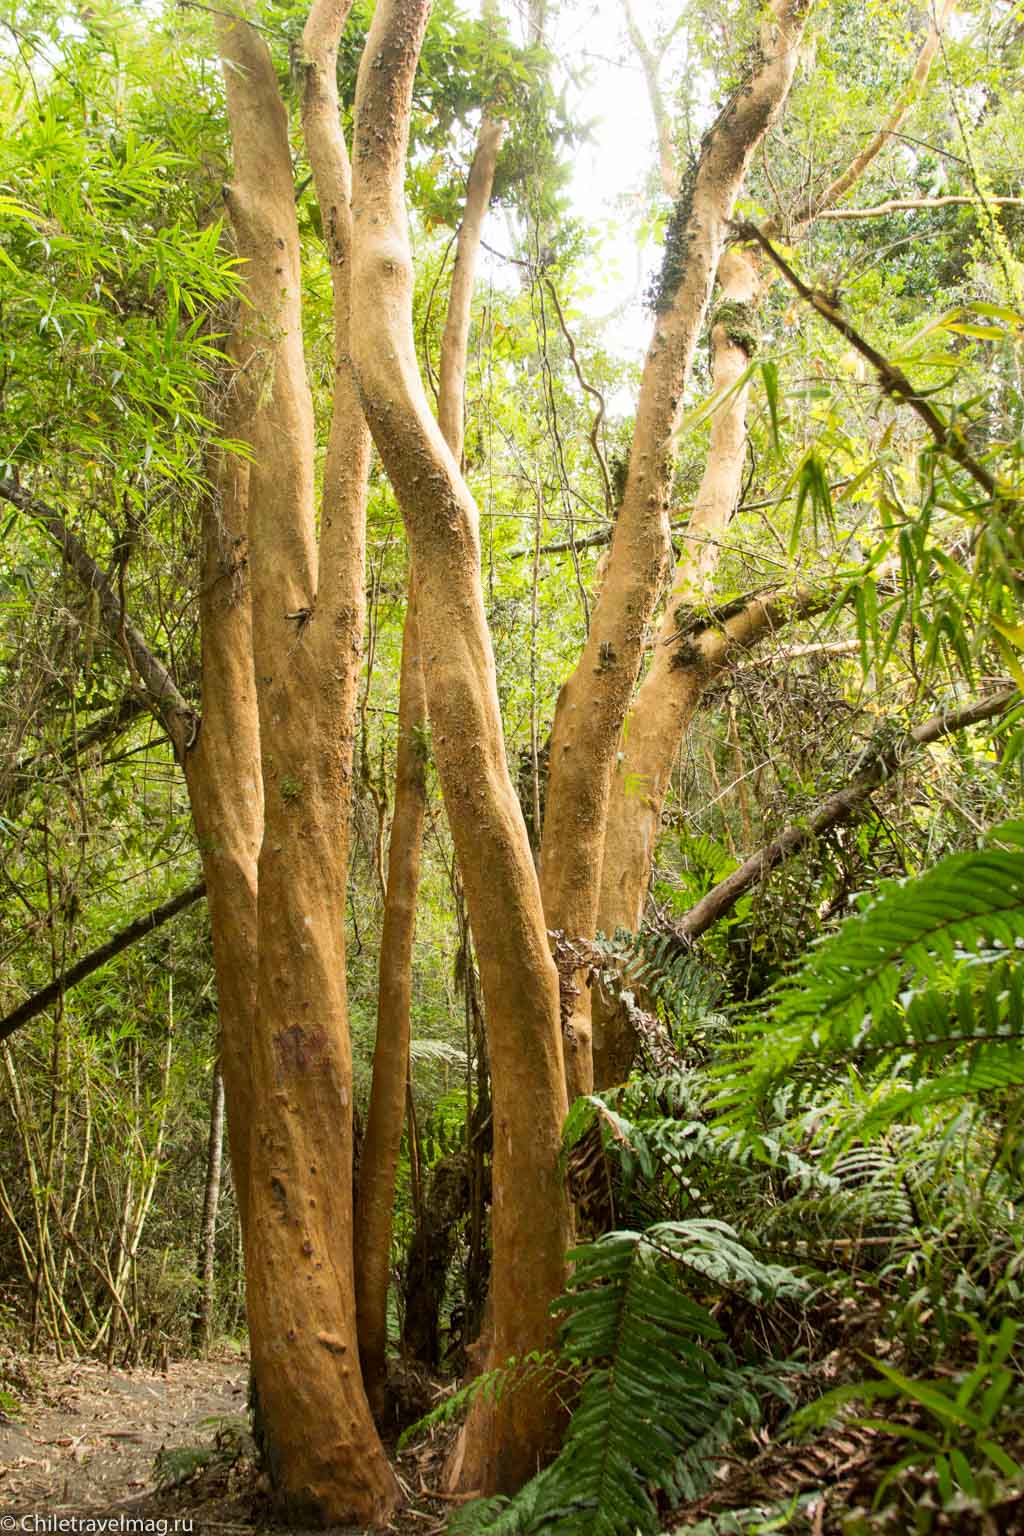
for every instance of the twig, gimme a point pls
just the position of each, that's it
(167, 703)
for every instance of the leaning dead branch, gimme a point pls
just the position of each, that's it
(97, 958)
(839, 807)
(162, 695)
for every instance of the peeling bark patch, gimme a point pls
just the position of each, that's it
(331, 1343)
(297, 1050)
(280, 1198)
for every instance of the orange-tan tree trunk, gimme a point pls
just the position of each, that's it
(324, 1458)
(530, 1214)
(670, 691)
(680, 672)
(382, 1143)
(222, 772)
(386, 1115)
(593, 701)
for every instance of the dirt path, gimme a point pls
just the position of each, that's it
(156, 1447)
(86, 1440)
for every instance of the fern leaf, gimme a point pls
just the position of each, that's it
(886, 979)
(658, 1382)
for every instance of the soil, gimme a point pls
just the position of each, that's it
(154, 1446)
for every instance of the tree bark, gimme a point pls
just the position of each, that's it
(222, 771)
(382, 1143)
(321, 1449)
(594, 700)
(391, 1052)
(670, 692)
(530, 1216)
(202, 1323)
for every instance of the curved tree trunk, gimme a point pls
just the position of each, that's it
(321, 1448)
(594, 700)
(381, 1147)
(222, 771)
(530, 1216)
(671, 691)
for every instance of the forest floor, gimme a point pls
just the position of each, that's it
(154, 1446)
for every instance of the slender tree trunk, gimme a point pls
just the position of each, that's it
(388, 1091)
(671, 690)
(322, 1452)
(222, 771)
(530, 1216)
(391, 1053)
(206, 1267)
(593, 702)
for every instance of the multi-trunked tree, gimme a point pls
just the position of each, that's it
(270, 772)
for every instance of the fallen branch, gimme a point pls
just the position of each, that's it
(799, 652)
(163, 697)
(836, 808)
(39, 1001)
(111, 725)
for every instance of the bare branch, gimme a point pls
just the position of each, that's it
(650, 61)
(169, 706)
(40, 1001)
(835, 809)
(894, 121)
(910, 204)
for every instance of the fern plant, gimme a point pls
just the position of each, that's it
(925, 983)
(966, 1418)
(656, 983)
(662, 1391)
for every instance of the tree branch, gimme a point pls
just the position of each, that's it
(904, 102)
(649, 62)
(22, 775)
(836, 808)
(34, 1005)
(178, 718)
(908, 204)
(892, 379)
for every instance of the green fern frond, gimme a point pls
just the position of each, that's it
(930, 966)
(659, 1383)
(684, 990)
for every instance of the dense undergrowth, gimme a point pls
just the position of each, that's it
(797, 1305)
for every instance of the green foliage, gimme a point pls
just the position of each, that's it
(967, 1418)
(928, 975)
(660, 1393)
(650, 967)
(108, 277)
